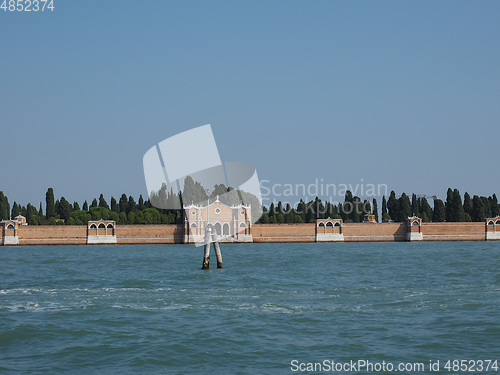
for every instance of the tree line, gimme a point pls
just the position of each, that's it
(397, 209)
(126, 210)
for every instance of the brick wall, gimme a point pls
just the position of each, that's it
(130, 234)
(284, 232)
(370, 232)
(454, 231)
(53, 235)
(138, 234)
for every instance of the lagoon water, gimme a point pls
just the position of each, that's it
(150, 309)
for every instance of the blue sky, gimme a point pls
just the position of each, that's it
(399, 93)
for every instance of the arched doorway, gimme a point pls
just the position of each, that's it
(218, 229)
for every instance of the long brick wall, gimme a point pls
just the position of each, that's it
(454, 231)
(169, 234)
(52, 235)
(284, 232)
(371, 232)
(138, 234)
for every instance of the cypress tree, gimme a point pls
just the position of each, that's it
(114, 206)
(487, 207)
(458, 208)
(40, 211)
(16, 210)
(495, 210)
(4, 207)
(439, 214)
(450, 211)
(414, 205)
(384, 206)
(94, 203)
(123, 203)
(393, 206)
(132, 206)
(85, 206)
(50, 208)
(76, 206)
(64, 208)
(467, 204)
(478, 213)
(425, 210)
(404, 207)
(141, 203)
(102, 202)
(375, 209)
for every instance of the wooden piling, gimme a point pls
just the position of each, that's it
(218, 254)
(206, 254)
(206, 257)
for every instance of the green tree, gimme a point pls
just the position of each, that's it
(64, 209)
(4, 207)
(85, 207)
(478, 212)
(375, 209)
(439, 214)
(50, 208)
(425, 210)
(414, 205)
(76, 206)
(487, 207)
(449, 206)
(495, 209)
(102, 202)
(123, 203)
(384, 208)
(404, 207)
(467, 204)
(458, 207)
(142, 206)
(132, 206)
(16, 210)
(114, 205)
(393, 206)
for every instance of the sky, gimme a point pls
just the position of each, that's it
(399, 93)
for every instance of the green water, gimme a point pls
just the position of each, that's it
(150, 309)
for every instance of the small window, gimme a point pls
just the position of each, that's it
(217, 211)
(242, 212)
(193, 213)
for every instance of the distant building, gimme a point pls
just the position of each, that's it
(369, 218)
(231, 223)
(21, 220)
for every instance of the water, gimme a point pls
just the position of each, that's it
(150, 309)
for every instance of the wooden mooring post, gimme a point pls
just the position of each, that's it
(211, 237)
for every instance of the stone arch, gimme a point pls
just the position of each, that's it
(10, 226)
(497, 222)
(491, 222)
(321, 227)
(225, 229)
(415, 222)
(194, 228)
(101, 229)
(337, 228)
(218, 228)
(329, 227)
